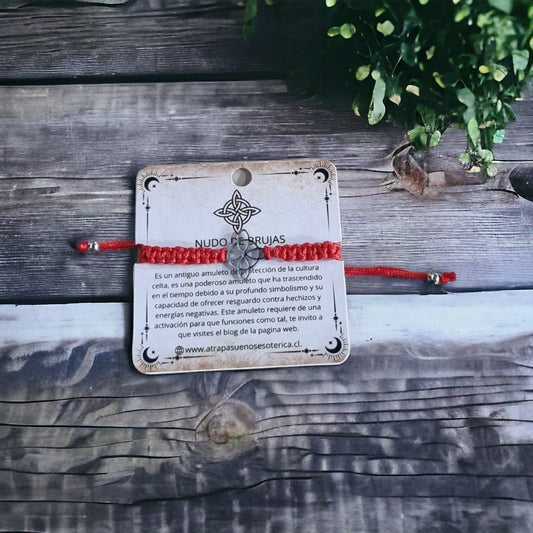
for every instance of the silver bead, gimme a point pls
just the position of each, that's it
(433, 277)
(93, 246)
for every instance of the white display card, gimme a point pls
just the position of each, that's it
(206, 317)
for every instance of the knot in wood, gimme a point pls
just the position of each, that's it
(230, 421)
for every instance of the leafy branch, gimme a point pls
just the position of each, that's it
(425, 64)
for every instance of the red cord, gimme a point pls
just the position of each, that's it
(289, 252)
(304, 252)
(180, 256)
(109, 246)
(444, 278)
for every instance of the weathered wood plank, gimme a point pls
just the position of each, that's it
(256, 512)
(67, 129)
(141, 39)
(92, 131)
(432, 433)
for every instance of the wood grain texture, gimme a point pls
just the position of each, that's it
(444, 445)
(143, 38)
(94, 131)
(113, 130)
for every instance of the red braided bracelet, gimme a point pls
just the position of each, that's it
(179, 255)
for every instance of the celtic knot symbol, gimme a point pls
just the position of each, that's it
(237, 211)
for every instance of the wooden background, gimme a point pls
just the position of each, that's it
(427, 427)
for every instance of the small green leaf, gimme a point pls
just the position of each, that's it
(418, 136)
(520, 60)
(395, 99)
(413, 89)
(362, 72)
(485, 156)
(462, 13)
(250, 10)
(355, 106)
(377, 107)
(423, 2)
(430, 52)
(468, 114)
(438, 80)
(386, 28)
(330, 3)
(466, 97)
(499, 72)
(379, 12)
(473, 131)
(334, 31)
(435, 139)
(484, 19)
(503, 5)
(492, 171)
(465, 158)
(499, 136)
(484, 69)
(347, 30)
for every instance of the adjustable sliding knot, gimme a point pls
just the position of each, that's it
(107, 246)
(304, 252)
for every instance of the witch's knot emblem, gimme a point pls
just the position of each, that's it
(237, 211)
(243, 254)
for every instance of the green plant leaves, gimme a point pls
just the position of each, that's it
(499, 72)
(498, 137)
(466, 97)
(385, 28)
(435, 139)
(250, 12)
(424, 64)
(503, 5)
(473, 131)
(377, 108)
(520, 60)
(362, 72)
(346, 30)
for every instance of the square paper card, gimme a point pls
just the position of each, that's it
(264, 289)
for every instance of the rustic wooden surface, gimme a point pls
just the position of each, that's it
(426, 428)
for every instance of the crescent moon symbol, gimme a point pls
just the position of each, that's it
(146, 357)
(337, 348)
(149, 183)
(321, 174)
